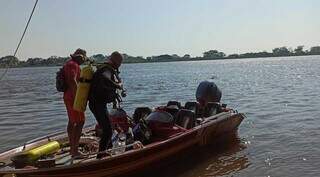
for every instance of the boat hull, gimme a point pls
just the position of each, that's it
(137, 160)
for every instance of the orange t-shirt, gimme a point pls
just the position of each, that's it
(72, 74)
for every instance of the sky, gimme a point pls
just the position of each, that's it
(155, 27)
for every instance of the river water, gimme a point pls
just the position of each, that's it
(280, 96)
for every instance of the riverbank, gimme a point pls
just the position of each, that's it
(132, 60)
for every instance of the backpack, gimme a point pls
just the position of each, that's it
(61, 85)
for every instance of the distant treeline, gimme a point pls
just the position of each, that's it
(10, 61)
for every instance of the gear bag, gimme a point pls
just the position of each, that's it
(61, 85)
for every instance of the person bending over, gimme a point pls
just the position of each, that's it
(103, 90)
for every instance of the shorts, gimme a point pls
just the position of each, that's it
(74, 116)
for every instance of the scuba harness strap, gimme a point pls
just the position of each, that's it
(114, 72)
(108, 89)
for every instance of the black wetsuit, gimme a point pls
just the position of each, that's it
(103, 91)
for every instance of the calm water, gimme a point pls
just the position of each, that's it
(280, 97)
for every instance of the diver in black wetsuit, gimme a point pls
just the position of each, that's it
(103, 91)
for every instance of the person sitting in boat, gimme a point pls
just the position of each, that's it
(71, 70)
(103, 91)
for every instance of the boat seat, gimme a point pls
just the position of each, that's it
(193, 106)
(174, 103)
(173, 110)
(140, 112)
(186, 119)
(173, 107)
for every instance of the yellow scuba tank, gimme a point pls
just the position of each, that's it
(46, 149)
(81, 99)
(30, 156)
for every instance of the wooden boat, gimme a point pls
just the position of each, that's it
(206, 131)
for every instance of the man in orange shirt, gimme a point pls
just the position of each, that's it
(71, 71)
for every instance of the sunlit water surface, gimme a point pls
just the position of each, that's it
(280, 97)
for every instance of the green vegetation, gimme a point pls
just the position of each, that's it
(10, 61)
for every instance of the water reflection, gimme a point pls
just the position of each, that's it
(223, 158)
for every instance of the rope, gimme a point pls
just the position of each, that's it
(24, 32)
